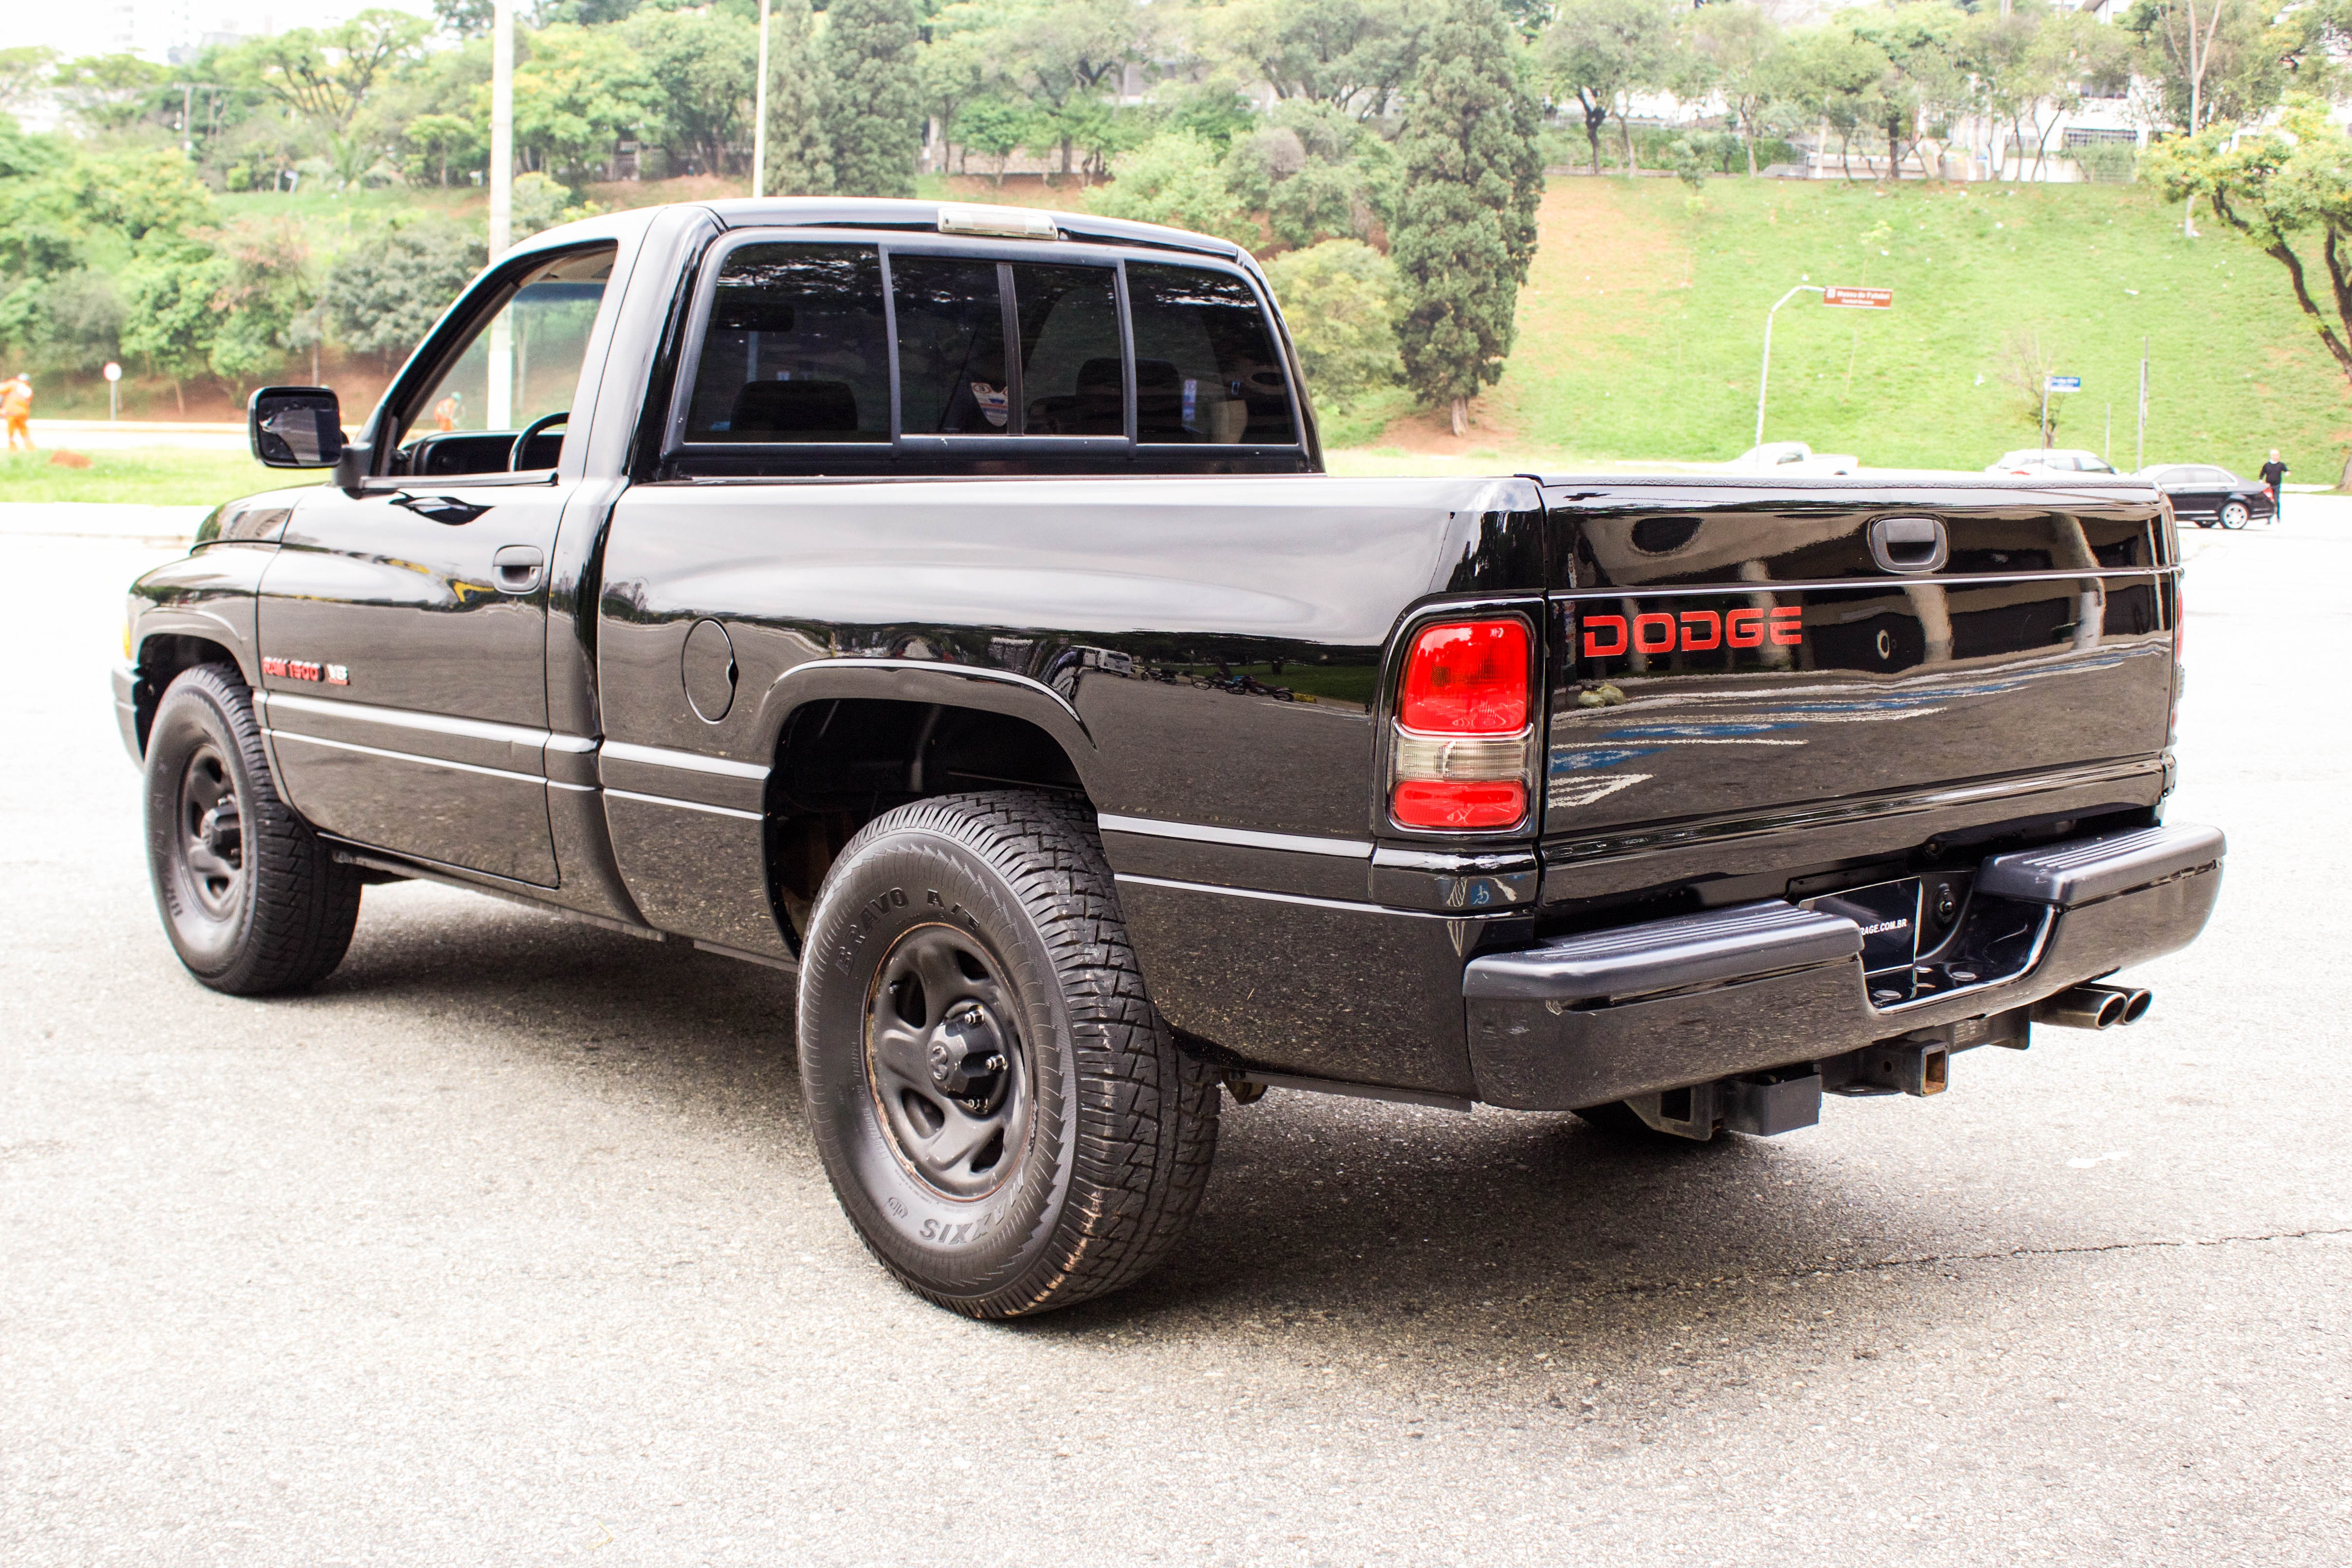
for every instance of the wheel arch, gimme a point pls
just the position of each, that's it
(161, 656)
(851, 743)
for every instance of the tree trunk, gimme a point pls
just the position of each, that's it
(1460, 410)
(1632, 159)
(1749, 142)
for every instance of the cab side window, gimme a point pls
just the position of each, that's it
(514, 371)
(794, 351)
(1066, 376)
(1072, 381)
(952, 375)
(1206, 371)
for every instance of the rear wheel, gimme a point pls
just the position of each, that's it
(1002, 1113)
(2235, 514)
(250, 897)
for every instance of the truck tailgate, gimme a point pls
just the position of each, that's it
(1733, 661)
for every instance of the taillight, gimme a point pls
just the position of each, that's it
(1462, 751)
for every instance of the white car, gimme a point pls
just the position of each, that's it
(2057, 459)
(1792, 457)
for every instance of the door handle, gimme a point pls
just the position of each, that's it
(517, 567)
(446, 510)
(1908, 544)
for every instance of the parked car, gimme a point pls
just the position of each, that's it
(1788, 458)
(781, 602)
(2207, 496)
(2054, 460)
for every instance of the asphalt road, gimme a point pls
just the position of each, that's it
(506, 1245)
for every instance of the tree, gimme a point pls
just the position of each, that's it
(874, 112)
(1340, 301)
(108, 92)
(170, 321)
(2279, 187)
(1066, 55)
(580, 91)
(465, 18)
(384, 294)
(1465, 226)
(326, 75)
(1918, 39)
(1174, 179)
(24, 74)
(995, 129)
(1354, 55)
(1602, 52)
(1738, 43)
(1314, 171)
(2215, 60)
(956, 67)
(800, 160)
(2026, 368)
(701, 69)
(266, 284)
(1834, 78)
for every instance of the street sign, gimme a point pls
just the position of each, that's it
(112, 373)
(2065, 383)
(1852, 298)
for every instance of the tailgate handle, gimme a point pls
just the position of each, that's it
(1908, 544)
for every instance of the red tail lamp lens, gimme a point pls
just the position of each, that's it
(1466, 678)
(1453, 804)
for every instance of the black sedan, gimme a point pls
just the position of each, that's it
(2205, 495)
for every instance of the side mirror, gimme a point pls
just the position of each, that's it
(295, 428)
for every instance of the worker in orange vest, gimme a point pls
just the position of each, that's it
(16, 408)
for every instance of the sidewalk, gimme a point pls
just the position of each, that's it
(169, 526)
(96, 434)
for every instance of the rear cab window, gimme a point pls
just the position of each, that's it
(813, 354)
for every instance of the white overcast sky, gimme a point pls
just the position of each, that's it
(96, 26)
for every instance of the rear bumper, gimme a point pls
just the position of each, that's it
(1586, 1019)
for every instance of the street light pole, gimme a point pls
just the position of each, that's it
(760, 113)
(1764, 381)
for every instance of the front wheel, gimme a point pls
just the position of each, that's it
(1004, 1115)
(251, 899)
(2236, 515)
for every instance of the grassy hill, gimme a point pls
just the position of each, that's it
(1643, 323)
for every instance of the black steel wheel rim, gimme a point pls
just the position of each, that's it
(945, 1061)
(209, 832)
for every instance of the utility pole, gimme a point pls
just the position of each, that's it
(760, 113)
(1764, 380)
(2142, 451)
(501, 126)
(500, 413)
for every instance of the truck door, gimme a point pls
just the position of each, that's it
(404, 626)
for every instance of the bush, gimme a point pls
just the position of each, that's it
(1340, 300)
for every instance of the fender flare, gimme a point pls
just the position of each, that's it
(926, 680)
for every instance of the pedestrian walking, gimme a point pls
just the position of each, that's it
(16, 409)
(2274, 480)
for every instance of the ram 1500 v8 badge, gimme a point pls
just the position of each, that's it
(948, 606)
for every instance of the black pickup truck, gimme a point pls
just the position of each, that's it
(946, 605)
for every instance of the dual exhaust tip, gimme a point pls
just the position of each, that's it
(2095, 1007)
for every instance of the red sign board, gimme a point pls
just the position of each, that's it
(1858, 299)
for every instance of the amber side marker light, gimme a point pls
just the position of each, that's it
(1460, 750)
